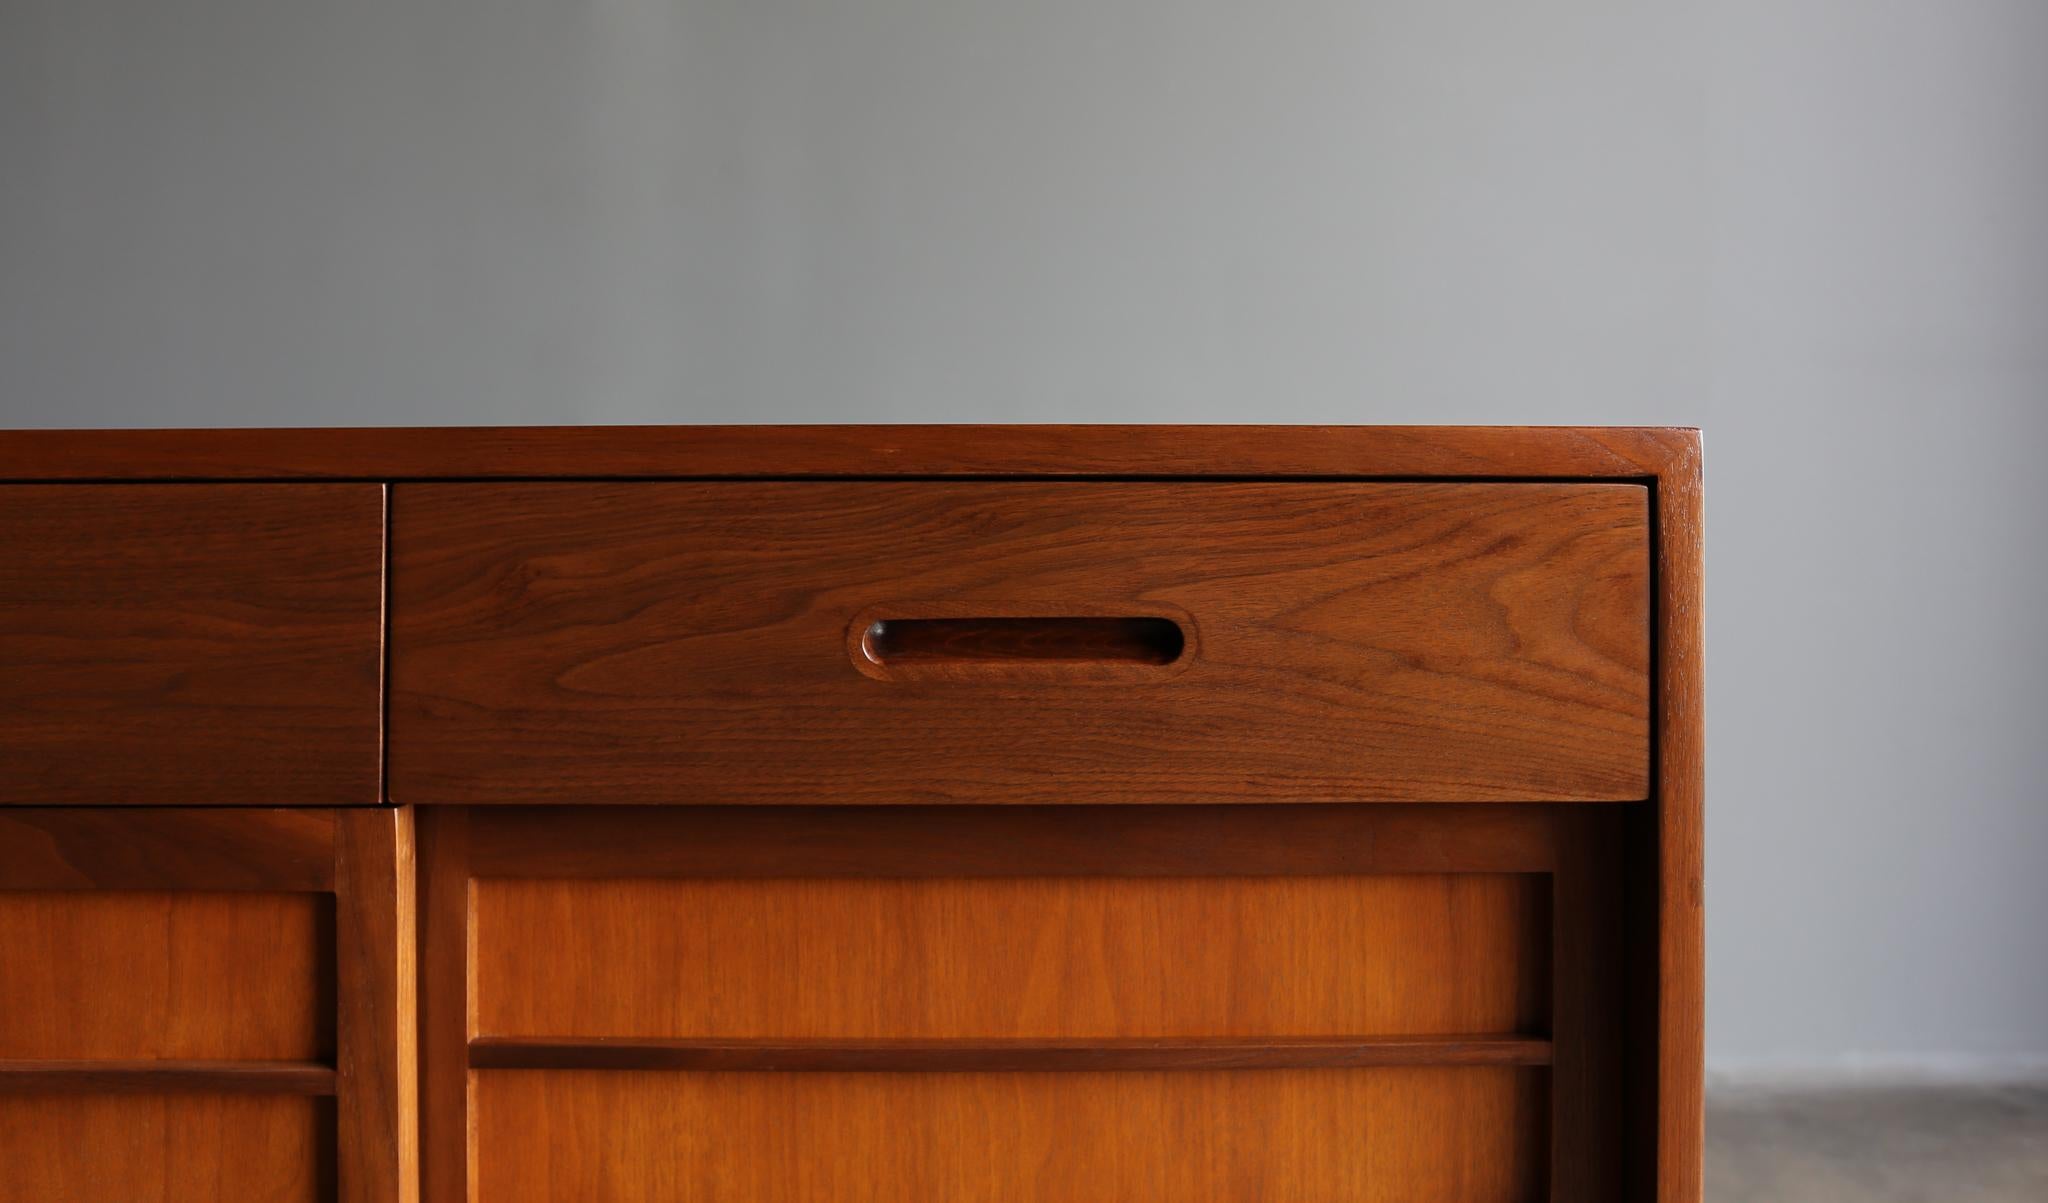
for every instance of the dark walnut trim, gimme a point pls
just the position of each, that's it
(1005, 1056)
(166, 1077)
(741, 452)
(1007, 841)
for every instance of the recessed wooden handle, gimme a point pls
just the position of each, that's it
(1053, 640)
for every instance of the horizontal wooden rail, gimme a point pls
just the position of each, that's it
(1332, 839)
(1004, 1056)
(166, 848)
(153, 1077)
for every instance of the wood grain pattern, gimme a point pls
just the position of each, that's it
(1005, 1056)
(165, 1149)
(165, 1077)
(190, 644)
(1008, 841)
(1446, 1135)
(166, 975)
(140, 848)
(742, 452)
(1008, 957)
(682, 643)
(375, 927)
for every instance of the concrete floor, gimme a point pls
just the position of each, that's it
(1878, 1145)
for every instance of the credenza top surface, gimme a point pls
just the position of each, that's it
(740, 452)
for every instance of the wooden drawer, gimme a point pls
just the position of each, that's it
(191, 644)
(1019, 642)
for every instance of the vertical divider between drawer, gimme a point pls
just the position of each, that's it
(377, 1101)
(446, 1006)
(390, 492)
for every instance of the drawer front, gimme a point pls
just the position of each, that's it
(191, 644)
(909, 642)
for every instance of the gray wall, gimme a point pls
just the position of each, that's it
(1818, 229)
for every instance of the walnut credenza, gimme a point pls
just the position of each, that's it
(904, 814)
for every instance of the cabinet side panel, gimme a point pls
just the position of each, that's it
(1679, 983)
